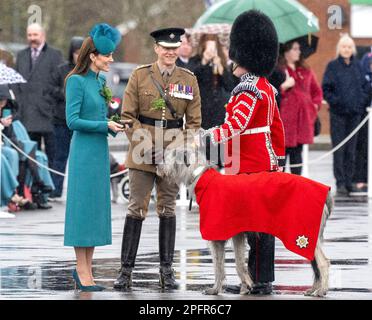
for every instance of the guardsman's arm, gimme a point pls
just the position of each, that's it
(244, 112)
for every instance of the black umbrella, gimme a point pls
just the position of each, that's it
(308, 44)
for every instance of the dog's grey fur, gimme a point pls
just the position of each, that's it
(189, 172)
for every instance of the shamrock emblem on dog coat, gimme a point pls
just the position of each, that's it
(302, 242)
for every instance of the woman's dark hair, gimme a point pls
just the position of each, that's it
(12, 105)
(287, 47)
(202, 46)
(83, 61)
(76, 43)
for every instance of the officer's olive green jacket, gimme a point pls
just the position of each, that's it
(138, 100)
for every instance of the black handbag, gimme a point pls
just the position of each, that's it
(317, 127)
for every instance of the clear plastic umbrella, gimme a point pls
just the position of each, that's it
(222, 30)
(9, 75)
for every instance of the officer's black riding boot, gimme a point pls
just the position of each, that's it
(167, 239)
(129, 247)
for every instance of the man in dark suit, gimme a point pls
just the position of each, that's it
(36, 64)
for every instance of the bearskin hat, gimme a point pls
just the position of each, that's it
(254, 43)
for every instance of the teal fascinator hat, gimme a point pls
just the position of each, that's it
(105, 38)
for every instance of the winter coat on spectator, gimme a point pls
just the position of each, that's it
(36, 105)
(215, 93)
(57, 92)
(299, 107)
(345, 87)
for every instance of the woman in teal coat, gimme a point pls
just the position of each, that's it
(88, 208)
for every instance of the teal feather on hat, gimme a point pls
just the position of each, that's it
(105, 38)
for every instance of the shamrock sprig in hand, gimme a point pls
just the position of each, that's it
(126, 124)
(116, 118)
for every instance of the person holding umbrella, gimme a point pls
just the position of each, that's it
(300, 103)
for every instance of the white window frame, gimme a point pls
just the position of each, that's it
(361, 21)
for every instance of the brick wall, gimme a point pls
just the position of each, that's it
(327, 42)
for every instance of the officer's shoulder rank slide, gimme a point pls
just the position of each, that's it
(143, 66)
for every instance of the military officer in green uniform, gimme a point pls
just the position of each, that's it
(163, 101)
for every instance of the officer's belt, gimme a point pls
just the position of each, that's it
(164, 124)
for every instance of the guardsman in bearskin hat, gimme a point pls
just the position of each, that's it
(253, 121)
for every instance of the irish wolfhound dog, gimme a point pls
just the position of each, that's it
(187, 165)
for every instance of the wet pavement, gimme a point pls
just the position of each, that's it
(35, 265)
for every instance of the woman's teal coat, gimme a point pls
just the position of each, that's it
(88, 208)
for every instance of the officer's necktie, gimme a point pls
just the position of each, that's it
(166, 77)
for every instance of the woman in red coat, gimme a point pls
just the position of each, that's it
(301, 100)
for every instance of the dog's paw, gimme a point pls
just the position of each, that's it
(245, 289)
(211, 292)
(316, 292)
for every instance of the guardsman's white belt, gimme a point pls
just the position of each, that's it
(256, 130)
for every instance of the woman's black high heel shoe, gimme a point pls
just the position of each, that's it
(79, 286)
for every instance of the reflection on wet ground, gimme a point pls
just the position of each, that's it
(35, 265)
(194, 269)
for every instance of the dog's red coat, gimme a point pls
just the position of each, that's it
(287, 206)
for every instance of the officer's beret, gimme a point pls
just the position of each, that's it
(168, 38)
(105, 38)
(254, 43)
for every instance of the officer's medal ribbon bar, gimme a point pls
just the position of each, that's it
(181, 91)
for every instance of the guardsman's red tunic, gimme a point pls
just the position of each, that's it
(253, 117)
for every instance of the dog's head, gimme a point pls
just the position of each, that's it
(180, 163)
